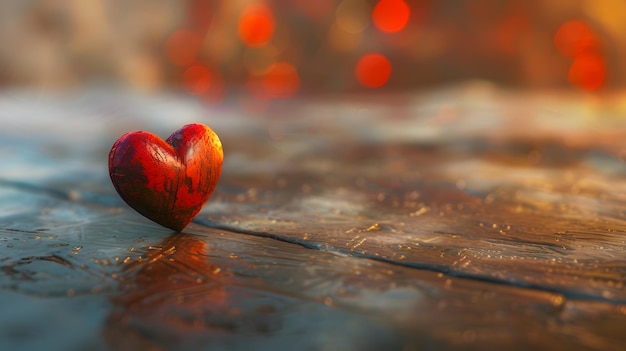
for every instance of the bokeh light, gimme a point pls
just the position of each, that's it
(373, 70)
(150, 45)
(588, 71)
(182, 47)
(204, 82)
(256, 25)
(391, 15)
(279, 81)
(196, 79)
(574, 38)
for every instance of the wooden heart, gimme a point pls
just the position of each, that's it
(167, 181)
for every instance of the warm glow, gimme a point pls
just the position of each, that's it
(204, 82)
(314, 9)
(256, 25)
(588, 72)
(141, 71)
(391, 15)
(196, 79)
(258, 60)
(574, 38)
(201, 14)
(342, 40)
(353, 16)
(281, 81)
(373, 70)
(182, 47)
(510, 32)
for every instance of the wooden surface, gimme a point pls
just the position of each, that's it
(461, 218)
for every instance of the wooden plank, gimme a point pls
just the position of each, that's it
(360, 224)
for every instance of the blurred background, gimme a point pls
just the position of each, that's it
(279, 49)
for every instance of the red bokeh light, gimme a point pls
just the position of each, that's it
(182, 47)
(574, 38)
(373, 70)
(391, 15)
(256, 25)
(588, 72)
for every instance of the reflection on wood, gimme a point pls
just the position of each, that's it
(168, 291)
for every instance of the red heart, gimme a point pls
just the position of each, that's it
(167, 181)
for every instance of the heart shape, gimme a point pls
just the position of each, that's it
(167, 181)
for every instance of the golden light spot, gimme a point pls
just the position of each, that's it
(391, 15)
(373, 70)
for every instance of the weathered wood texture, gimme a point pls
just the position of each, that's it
(462, 218)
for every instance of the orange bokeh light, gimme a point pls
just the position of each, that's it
(588, 72)
(281, 81)
(182, 47)
(373, 70)
(256, 25)
(197, 79)
(574, 38)
(204, 82)
(391, 15)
